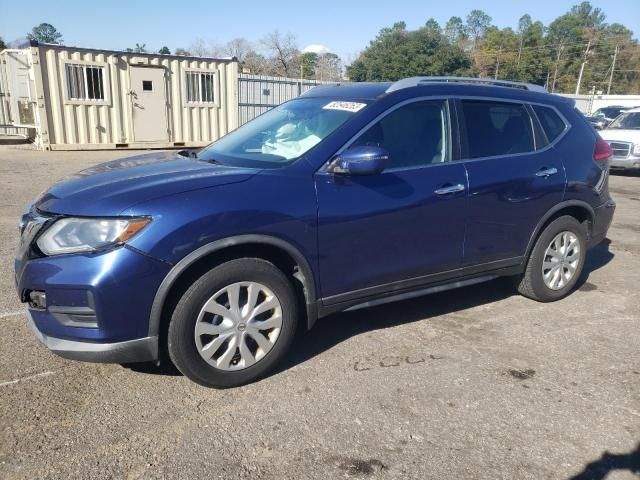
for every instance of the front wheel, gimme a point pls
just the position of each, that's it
(556, 261)
(234, 324)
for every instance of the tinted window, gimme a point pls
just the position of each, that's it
(495, 128)
(551, 122)
(414, 135)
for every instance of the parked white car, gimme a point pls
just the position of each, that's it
(623, 134)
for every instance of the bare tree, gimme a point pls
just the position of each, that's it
(284, 50)
(238, 47)
(199, 48)
(328, 67)
(255, 63)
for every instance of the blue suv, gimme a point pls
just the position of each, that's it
(349, 196)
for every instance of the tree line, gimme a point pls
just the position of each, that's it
(577, 52)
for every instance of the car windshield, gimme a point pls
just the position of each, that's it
(283, 134)
(627, 121)
(607, 112)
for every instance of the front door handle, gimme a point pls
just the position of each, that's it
(546, 172)
(449, 189)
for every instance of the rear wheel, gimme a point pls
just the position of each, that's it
(556, 261)
(234, 324)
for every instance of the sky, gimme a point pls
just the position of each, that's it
(344, 27)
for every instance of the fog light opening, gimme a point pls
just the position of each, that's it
(37, 300)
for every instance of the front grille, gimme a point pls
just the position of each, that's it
(621, 149)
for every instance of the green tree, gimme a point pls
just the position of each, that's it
(396, 53)
(455, 32)
(139, 48)
(308, 64)
(45, 33)
(164, 51)
(2, 44)
(478, 23)
(574, 36)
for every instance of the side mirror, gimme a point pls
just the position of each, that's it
(364, 160)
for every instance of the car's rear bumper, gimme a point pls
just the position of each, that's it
(602, 222)
(129, 351)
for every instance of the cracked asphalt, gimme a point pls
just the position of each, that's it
(475, 383)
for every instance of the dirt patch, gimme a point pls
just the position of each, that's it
(521, 374)
(356, 466)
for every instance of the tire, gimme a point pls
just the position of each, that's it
(205, 355)
(532, 283)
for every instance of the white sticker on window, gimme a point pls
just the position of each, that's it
(346, 106)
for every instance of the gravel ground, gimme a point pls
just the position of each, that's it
(473, 383)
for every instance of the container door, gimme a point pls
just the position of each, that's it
(149, 104)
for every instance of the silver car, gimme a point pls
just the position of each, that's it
(623, 134)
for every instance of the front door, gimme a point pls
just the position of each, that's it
(149, 104)
(402, 224)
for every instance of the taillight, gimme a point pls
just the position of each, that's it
(602, 151)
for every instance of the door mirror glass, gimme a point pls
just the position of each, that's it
(363, 160)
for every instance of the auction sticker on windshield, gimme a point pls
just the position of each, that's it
(346, 106)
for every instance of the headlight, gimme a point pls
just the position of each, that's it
(636, 149)
(73, 235)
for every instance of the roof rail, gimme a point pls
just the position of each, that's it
(415, 81)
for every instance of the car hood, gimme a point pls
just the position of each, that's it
(613, 134)
(109, 188)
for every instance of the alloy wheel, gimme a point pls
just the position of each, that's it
(561, 260)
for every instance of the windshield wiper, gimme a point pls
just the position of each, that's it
(188, 154)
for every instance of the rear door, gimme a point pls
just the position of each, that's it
(514, 179)
(402, 224)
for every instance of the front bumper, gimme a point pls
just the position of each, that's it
(97, 305)
(630, 162)
(129, 351)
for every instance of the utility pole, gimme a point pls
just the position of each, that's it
(584, 62)
(497, 64)
(555, 72)
(613, 66)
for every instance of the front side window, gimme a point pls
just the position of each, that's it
(283, 134)
(496, 128)
(629, 121)
(200, 87)
(414, 135)
(85, 82)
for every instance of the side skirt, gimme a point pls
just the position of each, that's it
(410, 288)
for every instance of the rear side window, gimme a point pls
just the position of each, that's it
(551, 122)
(496, 128)
(415, 134)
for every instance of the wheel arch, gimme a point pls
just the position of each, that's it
(580, 210)
(280, 252)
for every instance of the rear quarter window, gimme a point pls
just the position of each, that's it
(551, 122)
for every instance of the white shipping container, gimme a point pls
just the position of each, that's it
(80, 98)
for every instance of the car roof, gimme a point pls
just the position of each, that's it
(376, 90)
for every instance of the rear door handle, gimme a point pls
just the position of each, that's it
(449, 189)
(546, 172)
